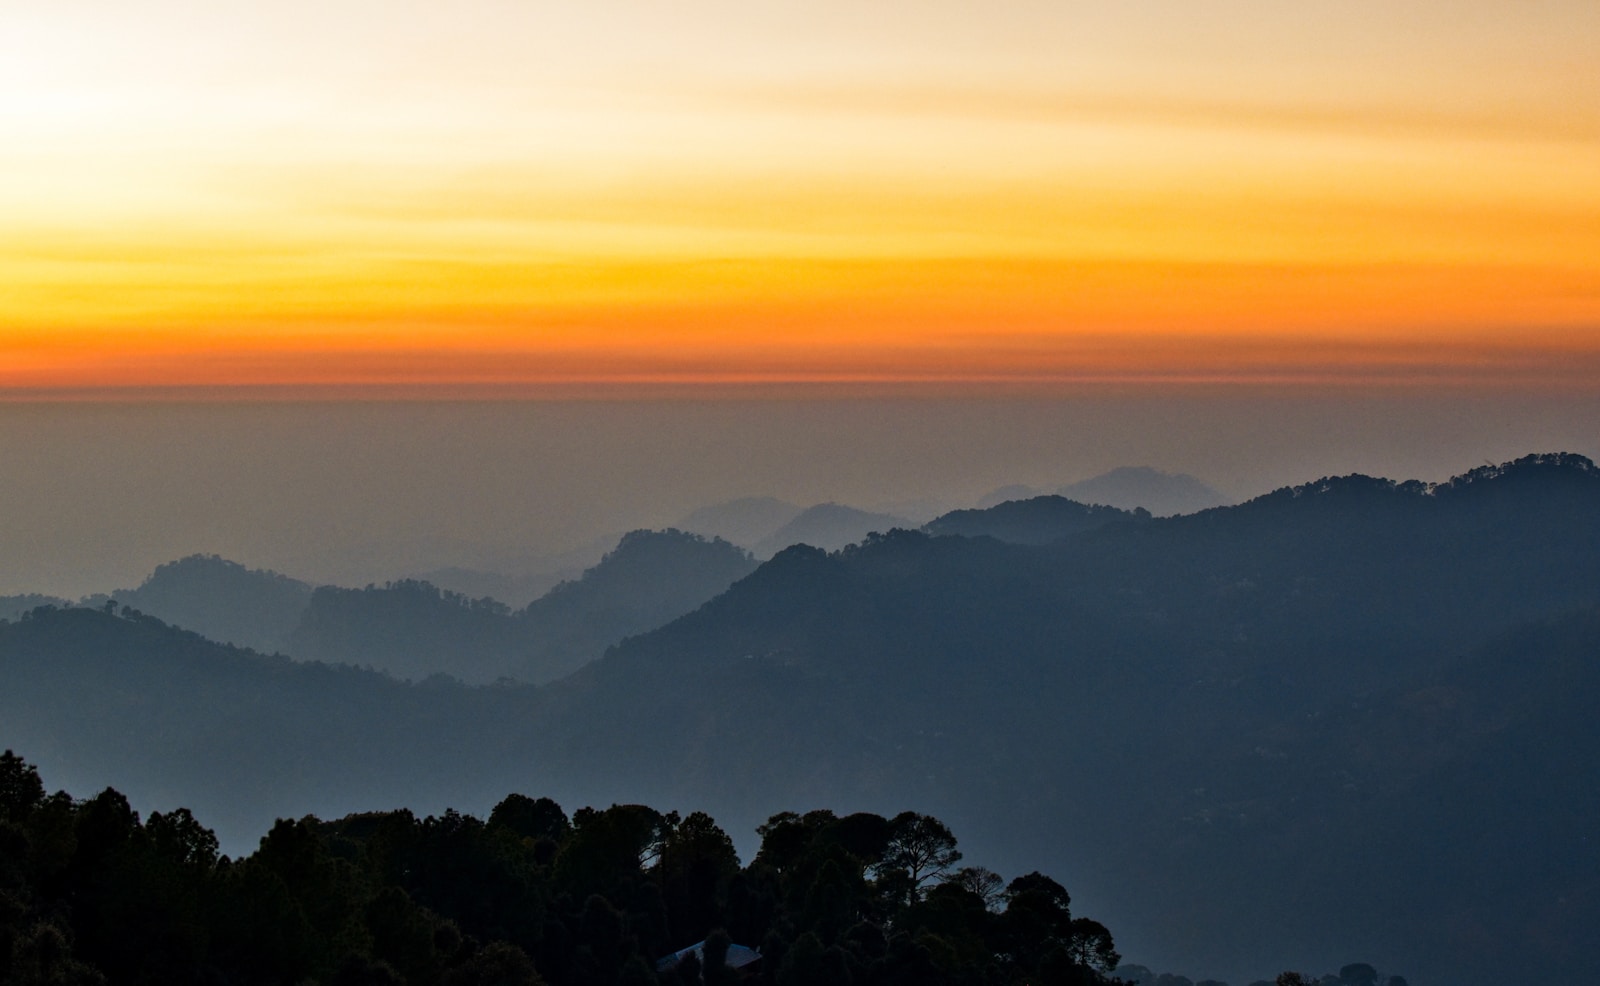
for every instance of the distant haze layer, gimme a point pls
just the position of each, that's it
(94, 495)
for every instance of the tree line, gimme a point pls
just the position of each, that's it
(91, 893)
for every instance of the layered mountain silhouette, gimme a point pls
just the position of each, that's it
(1039, 520)
(515, 591)
(220, 599)
(1348, 717)
(767, 525)
(410, 629)
(1141, 487)
(12, 607)
(1128, 488)
(746, 521)
(413, 629)
(829, 526)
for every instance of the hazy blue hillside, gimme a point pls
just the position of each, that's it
(410, 629)
(651, 577)
(515, 591)
(1126, 691)
(176, 719)
(1136, 487)
(222, 600)
(1346, 718)
(746, 521)
(12, 607)
(1479, 775)
(1127, 488)
(413, 629)
(829, 526)
(1005, 494)
(1039, 520)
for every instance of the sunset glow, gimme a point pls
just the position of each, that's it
(499, 194)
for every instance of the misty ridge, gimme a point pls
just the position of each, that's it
(429, 624)
(412, 628)
(1348, 718)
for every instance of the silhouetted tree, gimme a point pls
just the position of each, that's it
(20, 787)
(530, 818)
(1358, 974)
(495, 964)
(696, 863)
(89, 895)
(987, 884)
(921, 847)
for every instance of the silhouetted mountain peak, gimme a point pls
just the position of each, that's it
(413, 628)
(643, 543)
(895, 538)
(797, 568)
(829, 526)
(1004, 494)
(1353, 486)
(421, 592)
(515, 591)
(15, 607)
(652, 564)
(1133, 487)
(1039, 520)
(1545, 470)
(1543, 467)
(212, 566)
(744, 521)
(221, 599)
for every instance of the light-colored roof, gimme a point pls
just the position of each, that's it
(739, 956)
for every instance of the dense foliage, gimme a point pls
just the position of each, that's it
(89, 893)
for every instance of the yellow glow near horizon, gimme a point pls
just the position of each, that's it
(203, 194)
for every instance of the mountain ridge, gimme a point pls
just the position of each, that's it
(414, 629)
(1216, 723)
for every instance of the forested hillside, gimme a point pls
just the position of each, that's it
(1347, 718)
(90, 892)
(220, 599)
(412, 629)
(1039, 520)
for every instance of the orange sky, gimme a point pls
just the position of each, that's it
(945, 195)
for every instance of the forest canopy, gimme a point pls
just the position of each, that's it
(91, 893)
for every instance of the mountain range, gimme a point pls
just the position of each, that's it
(1348, 717)
(1161, 493)
(413, 629)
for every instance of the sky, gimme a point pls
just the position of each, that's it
(354, 289)
(96, 494)
(230, 199)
